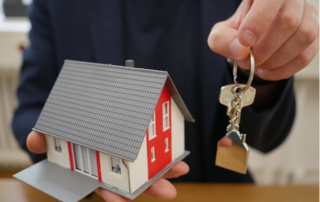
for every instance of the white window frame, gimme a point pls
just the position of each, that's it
(57, 144)
(166, 144)
(111, 157)
(93, 161)
(154, 126)
(153, 154)
(81, 162)
(74, 157)
(165, 116)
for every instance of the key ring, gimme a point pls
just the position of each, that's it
(235, 67)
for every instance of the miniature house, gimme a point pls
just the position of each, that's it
(120, 128)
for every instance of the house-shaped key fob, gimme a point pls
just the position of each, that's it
(233, 152)
(115, 127)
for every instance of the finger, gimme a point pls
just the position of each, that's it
(223, 36)
(225, 142)
(282, 28)
(36, 142)
(109, 196)
(162, 189)
(223, 40)
(179, 169)
(292, 67)
(235, 20)
(258, 20)
(305, 35)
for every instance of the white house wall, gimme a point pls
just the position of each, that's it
(61, 158)
(177, 125)
(119, 181)
(139, 168)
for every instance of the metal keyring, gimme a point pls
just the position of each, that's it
(235, 67)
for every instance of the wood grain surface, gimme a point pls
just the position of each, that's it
(12, 190)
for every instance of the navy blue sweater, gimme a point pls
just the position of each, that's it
(163, 35)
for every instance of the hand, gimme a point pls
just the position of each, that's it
(282, 34)
(160, 189)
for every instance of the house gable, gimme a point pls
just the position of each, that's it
(176, 97)
(158, 156)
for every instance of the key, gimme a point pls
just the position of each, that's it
(232, 149)
(226, 96)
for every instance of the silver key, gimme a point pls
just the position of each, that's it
(232, 149)
(226, 96)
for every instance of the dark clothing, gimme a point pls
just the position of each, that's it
(164, 35)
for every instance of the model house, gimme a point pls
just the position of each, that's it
(120, 128)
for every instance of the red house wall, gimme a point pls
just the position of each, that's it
(162, 158)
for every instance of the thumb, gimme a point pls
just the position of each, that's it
(223, 38)
(36, 142)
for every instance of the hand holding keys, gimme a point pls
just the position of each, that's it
(232, 150)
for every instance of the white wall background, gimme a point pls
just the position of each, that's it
(296, 161)
(13, 36)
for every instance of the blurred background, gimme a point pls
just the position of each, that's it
(296, 161)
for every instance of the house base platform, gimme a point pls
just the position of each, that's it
(70, 186)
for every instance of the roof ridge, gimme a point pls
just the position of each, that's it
(116, 66)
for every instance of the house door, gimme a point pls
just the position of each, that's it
(85, 160)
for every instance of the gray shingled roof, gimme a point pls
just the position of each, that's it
(105, 107)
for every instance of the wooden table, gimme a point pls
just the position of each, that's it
(12, 190)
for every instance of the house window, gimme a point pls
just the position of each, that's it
(77, 156)
(166, 142)
(116, 166)
(152, 127)
(153, 157)
(85, 160)
(165, 115)
(57, 144)
(93, 162)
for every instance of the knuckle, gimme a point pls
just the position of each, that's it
(288, 20)
(308, 33)
(312, 8)
(304, 59)
(213, 37)
(217, 25)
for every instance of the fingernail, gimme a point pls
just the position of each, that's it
(248, 37)
(236, 49)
